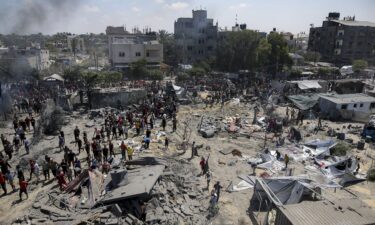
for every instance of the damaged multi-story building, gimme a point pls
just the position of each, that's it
(343, 40)
(126, 48)
(196, 37)
(20, 61)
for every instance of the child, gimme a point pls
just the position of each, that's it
(23, 189)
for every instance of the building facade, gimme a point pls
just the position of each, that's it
(196, 37)
(31, 58)
(342, 41)
(76, 44)
(126, 48)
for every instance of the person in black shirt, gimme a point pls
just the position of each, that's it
(76, 133)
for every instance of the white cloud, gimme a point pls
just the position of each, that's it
(135, 9)
(159, 1)
(91, 8)
(177, 5)
(239, 6)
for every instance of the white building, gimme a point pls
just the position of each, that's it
(357, 107)
(125, 48)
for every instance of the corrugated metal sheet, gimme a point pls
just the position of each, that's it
(325, 213)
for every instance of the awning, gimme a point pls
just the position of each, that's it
(304, 102)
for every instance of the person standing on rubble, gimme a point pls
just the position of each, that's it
(32, 120)
(164, 122)
(61, 142)
(130, 152)
(27, 146)
(123, 150)
(23, 189)
(62, 135)
(217, 188)
(292, 114)
(166, 143)
(174, 124)
(45, 168)
(105, 152)
(286, 160)
(208, 178)
(61, 180)
(76, 133)
(79, 143)
(111, 148)
(202, 164)
(193, 149)
(3, 183)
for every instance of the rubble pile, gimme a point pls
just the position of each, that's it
(51, 121)
(177, 198)
(209, 127)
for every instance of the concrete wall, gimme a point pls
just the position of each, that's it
(335, 111)
(104, 99)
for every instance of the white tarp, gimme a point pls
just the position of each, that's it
(307, 84)
(176, 88)
(242, 185)
(54, 77)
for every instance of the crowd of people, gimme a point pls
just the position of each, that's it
(93, 148)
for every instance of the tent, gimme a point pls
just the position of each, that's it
(282, 190)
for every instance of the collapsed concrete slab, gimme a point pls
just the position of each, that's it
(141, 181)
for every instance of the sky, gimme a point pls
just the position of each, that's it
(93, 16)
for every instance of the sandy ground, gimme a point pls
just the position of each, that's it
(225, 168)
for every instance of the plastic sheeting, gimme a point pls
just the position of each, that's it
(307, 84)
(304, 102)
(286, 190)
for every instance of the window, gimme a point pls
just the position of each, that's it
(148, 54)
(361, 105)
(355, 106)
(121, 54)
(344, 106)
(372, 105)
(189, 48)
(137, 54)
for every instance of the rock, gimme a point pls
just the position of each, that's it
(186, 210)
(207, 133)
(36, 206)
(167, 209)
(89, 124)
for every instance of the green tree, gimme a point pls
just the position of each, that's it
(155, 75)
(89, 80)
(169, 47)
(197, 72)
(359, 65)
(72, 74)
(279, 56)
(138, 69)
(263, 53)
(311, 56)
(109, 77)
(203, 65)
(237, 51)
